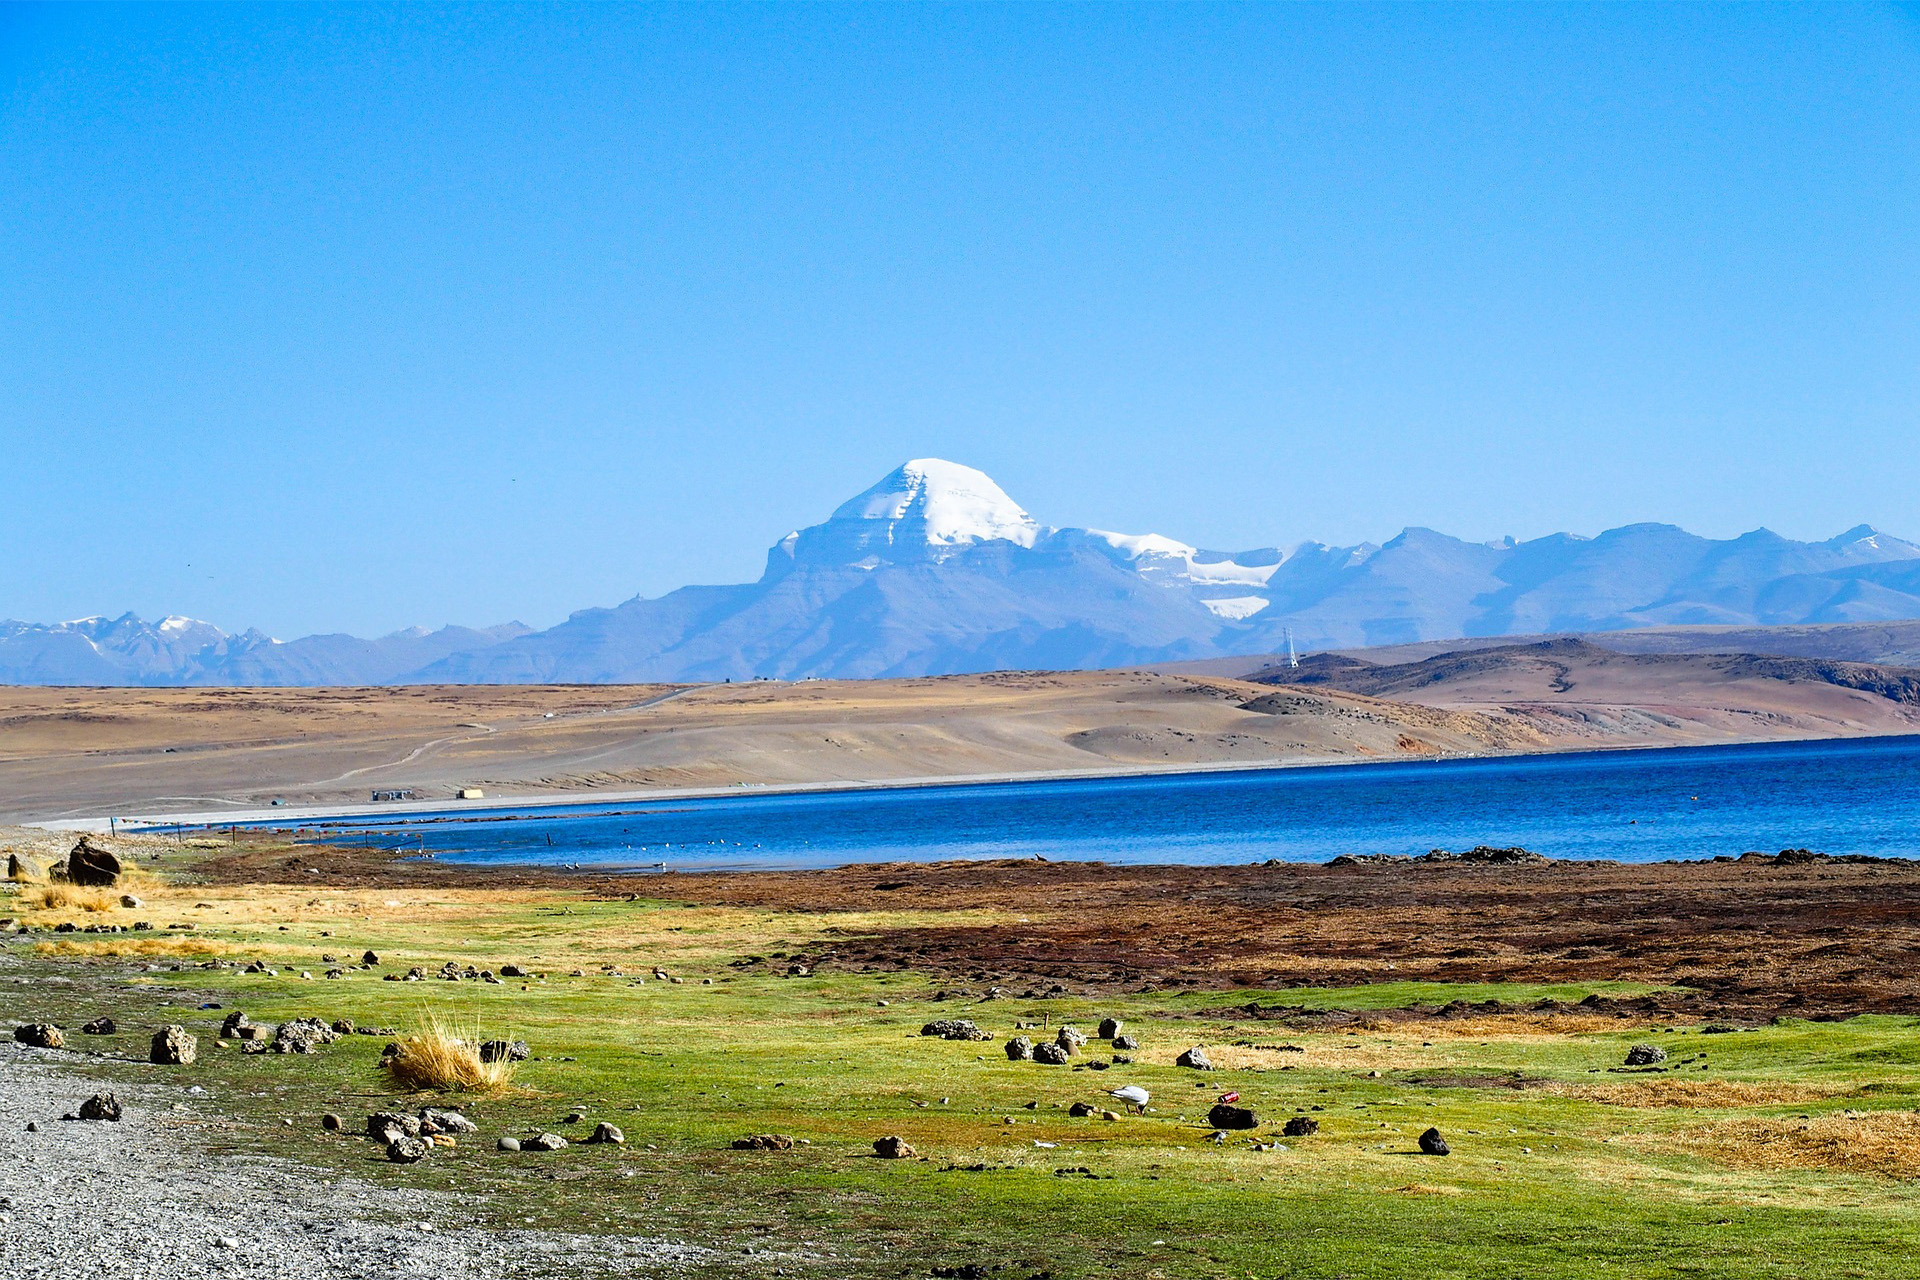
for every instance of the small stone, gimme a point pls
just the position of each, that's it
(1196, 1058)
(370, 959)
(604, 1132)
(227, 1242)
(764, 1142)
(507, 1144)
(1300, 1127)
(575, 1117)
(330, 1122)
(1433, 1144)
(439, 1120)
(100, 1027)
(544, 1142)
(505, 1051)
(1126, 1042)
(101, 1106)
(173, 1046)
(130, 902)
(893, 1147)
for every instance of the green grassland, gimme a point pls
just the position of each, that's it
(1697, 1170)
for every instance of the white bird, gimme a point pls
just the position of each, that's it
(1133, 1095)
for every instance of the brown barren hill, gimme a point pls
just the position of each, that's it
(92, 752)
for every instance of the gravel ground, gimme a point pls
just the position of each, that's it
(138, 1198)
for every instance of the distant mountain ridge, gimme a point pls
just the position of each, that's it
(936, 570)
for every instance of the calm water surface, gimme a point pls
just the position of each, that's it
(1853, 796)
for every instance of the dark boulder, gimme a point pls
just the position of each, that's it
(1019, 1049)
(1226, 1116)
(1433, 1144)
(505, 1051)
(1300, 1127)
(1645, 1055)
(1051, 1055)
(173, 1046)
(101, 1106)
(1196, 1058)
(955, 1029)
(41, 1035)
(100, 1027)
(764, 1142)
(893, 1147)
(93, 867)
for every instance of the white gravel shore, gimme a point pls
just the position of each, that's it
(140, 1198)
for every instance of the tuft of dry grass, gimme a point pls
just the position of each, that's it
(1883, 1143)
(437, 1059)
(67, 897)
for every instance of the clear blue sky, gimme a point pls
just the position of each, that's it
(348, 318)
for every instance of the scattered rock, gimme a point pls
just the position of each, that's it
(1645, 1055)
(1433, 1144)
(893, 1147)
(1300, 1127)
(1226, 1116)
(130, 902)
(403, 1149)
(302, 1035)
(437, 1120)
(512, 971)
(505, 1051)
(604, 1132)
(1081, 1109)
(23, 869)
(41, 1035)
(100, 1027)
(230, 1028)
(101, 1106)
(544, 1142)
(764, 1142)
(1195, 1058)
(507, 1144)
(1125, 1042)
(1019, 1049)
(385, 1126)
(1110, 1027)
(173, 1046)
(955, 1029)
(1050, 1054)
(1072, 1039)
(343, 1026)
(369, 959)
(330, 1122)
(574, 1117)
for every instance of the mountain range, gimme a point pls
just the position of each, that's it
(936, 570)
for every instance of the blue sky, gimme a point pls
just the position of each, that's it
(324, 318)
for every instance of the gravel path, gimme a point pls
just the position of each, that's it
(138, 1198)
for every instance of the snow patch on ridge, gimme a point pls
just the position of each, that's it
(1237, 608)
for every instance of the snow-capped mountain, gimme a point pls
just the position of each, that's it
(936, 569)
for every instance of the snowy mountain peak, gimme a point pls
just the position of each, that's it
(941, 503)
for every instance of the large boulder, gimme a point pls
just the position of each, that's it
(92, 866)
(173, 1046)
(405, 1150)
(1110, 1027)
(41, 1035)
(1645, 1055)
(1050, 1054)
(544, 1142)
(1195, 1058)
(1072, 1039)
(1019, 1049)
(1433, 1144)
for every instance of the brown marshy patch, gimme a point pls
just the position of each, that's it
(1879, 1143)
(1704, 1094)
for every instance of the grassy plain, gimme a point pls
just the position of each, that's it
(1784, 1149)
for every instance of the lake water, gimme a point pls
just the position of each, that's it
(1849, 796)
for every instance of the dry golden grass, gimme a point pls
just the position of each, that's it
(437, 1059)
(1697, 1093)
(122, 945)
(67, 897)
(1882, 1143)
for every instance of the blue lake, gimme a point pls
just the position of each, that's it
(1848, 796)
